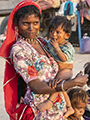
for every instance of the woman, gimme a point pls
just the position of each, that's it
(27, 57)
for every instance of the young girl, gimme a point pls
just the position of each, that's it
(78, 98)
(60, 30)
(87, 71)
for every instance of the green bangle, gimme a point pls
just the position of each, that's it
(58, 51)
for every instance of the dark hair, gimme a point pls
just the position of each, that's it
(60, 20)
(77, 95)
(87, 71)
(31, 9)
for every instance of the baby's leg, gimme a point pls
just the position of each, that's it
(65, 74)
(48, 103)
(70, 110)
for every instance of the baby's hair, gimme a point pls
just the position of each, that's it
(60, 20)
(87, 71)
(77, 95)
(30, 9)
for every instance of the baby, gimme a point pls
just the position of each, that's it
(63, 52)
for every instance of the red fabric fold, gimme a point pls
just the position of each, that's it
(10, 89)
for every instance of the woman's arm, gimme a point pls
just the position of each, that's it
(48, 88)
(23, 66)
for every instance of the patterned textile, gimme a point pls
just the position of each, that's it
(69, 52)
(31, 65)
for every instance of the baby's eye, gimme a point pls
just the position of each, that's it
(52, 31)
(58, 32)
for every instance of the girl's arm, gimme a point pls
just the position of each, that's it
(48, 103)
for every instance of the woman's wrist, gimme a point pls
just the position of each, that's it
(64, 85)
(68, 84)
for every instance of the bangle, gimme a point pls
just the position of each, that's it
(50, 100)
(62, 85)
(58, 51)
(68, 106)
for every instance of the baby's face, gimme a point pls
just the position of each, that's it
(58, 34)
(79, 109)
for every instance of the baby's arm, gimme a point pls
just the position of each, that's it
(48, 103)
(70, 110)
(61, 55)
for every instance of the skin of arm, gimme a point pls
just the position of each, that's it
(45, 88)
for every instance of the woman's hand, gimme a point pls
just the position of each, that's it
(53, 83)
(81, 79)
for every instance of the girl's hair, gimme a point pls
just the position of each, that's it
(31, 9)
(87, 71)
(60, 20)
(77, 95)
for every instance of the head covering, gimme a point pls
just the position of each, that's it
(10, 88)
(10, 36)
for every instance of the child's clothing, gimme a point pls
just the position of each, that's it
(69, 53)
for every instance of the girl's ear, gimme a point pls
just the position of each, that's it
(67, 35)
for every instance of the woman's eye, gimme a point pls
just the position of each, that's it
(25, 23)
(35, 23)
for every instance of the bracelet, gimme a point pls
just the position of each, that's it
(68, 106)
(58, 51)
(50, 100)
(62, 85)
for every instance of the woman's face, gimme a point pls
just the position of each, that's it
(79, 109)
(29, 26)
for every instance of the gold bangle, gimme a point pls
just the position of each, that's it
(58, 51)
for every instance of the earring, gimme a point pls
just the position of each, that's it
(16, 32)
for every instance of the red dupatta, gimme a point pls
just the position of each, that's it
(10, 79)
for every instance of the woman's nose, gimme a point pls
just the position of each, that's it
(30, 27)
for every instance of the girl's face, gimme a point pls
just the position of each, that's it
(29, 26)
(79, 109)
(58, 34)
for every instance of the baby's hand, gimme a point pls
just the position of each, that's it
(54, 43)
